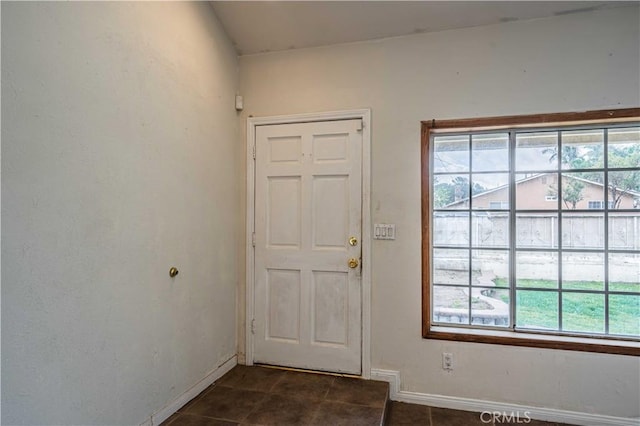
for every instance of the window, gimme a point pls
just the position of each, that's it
(498, 204)
(515, 249)
(599, 205)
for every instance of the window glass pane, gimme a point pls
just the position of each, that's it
(624, 231)
(583, 312)
(490, 268)
(624, 272)
(624, 147)
(490, 307)
(583, 230)
(536, 269)
(537, 191)
(451, 229)
(583, 149)
(583, 271)
(450, 304)
(490, 190)
(490, 229)
(537, 309)
(536, 230)
(582, 191)
(564, 213)
(624, 314)
(624, 190)
(451, 191)
(450, 266)
(451, 154)
(537, 151)
(495, 205)
(490, 152)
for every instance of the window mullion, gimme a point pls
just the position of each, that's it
(470, 225)
(512, 229)
(560, 246)
(606, 229)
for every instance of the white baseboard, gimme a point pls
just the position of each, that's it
(166, 412)
(478, 405)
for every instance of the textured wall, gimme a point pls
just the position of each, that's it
(569, 63)
(119, 157)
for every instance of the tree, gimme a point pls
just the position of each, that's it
(443, 194)
(620, 183)
(569, 155)
(623, 182)
(571, 192)
(446, 193)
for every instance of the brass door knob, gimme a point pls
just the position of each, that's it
(173, 271)
(353, 263)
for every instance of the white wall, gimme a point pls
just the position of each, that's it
(569, 63)
(119, 160)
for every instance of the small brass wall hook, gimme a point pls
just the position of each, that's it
(173, 271)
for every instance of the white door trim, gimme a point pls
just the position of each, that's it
(252, 122)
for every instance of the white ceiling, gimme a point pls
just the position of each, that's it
(266, 26)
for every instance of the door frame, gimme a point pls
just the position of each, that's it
(252, 123)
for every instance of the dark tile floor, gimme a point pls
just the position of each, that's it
(399, 413)
(268, 396)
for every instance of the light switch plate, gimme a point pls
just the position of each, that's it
(384, 231)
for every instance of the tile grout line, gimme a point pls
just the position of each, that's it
(255, 407)
(202, 416)
(326, 394)
(315, 413)
(278, 380)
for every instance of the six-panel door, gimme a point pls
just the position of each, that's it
(307, 208)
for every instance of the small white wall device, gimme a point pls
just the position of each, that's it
(384, 231)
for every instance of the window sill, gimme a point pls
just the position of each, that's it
(536, 340)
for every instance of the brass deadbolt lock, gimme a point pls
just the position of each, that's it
(353, 241)
(173, 271)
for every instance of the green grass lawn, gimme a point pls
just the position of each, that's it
(582, 312)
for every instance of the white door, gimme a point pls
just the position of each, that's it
(308, 213)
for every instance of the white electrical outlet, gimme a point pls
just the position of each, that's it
(447, 361)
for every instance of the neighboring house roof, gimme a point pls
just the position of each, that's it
(527, 179)
(628, 191)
